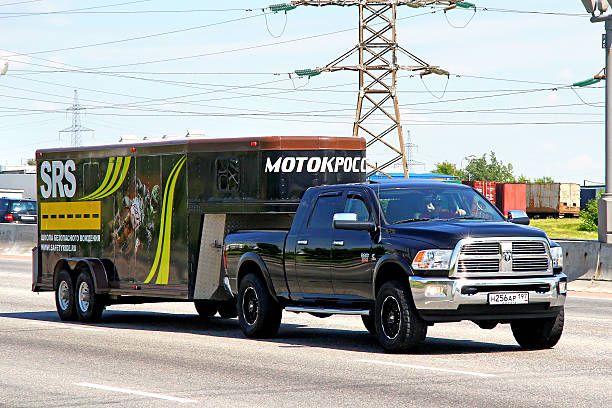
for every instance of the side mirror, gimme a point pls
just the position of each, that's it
(518, 217)
(348, 221)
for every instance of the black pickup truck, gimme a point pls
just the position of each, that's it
(403, 255)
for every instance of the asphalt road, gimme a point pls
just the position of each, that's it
(164, 355)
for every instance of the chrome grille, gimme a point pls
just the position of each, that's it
(530, 264)
(503, 257)
(528, 248)
(481, 248)
(478, 265)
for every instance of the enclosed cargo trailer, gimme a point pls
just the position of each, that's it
(486, 188)
(553, 199)
(511, 196)
(146, 221)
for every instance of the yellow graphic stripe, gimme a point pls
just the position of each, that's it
(71, 216)
(162, 253)
(109, 171)
(113, 179)
(124, 171)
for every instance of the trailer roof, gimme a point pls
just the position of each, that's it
(188, 144)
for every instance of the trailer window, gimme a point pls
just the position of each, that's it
(228, 174)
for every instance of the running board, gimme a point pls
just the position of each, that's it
(298, 309)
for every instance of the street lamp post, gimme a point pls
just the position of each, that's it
(470, 157)
(604, 205)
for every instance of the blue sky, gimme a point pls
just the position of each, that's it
(228, 68)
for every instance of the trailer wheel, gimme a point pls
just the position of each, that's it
(64, 296)
(89, 306)
(537, 334)
(368, 322)
(259, 314)
(227, 309)
(398, 326)
(205, 308)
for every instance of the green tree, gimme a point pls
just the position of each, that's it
(493, 169)
(31, 162)
(589, 216)
(449, 169)
(544, 179)
(523, 179)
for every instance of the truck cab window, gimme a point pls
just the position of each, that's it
(356, 205)
(228, 174)
(324, 210)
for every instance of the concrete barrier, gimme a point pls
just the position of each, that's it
(17, 239)
(586, 259)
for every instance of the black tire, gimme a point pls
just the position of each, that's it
(537, 334)
(88, 305)
(368, 322)
(64, 296)
(227, 309)
(205, 308)
(398, 326)
(259, 314)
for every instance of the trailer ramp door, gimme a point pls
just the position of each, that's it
(209, 273)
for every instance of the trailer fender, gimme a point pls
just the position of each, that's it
(93, 265)
(250, 260)
(389, 266)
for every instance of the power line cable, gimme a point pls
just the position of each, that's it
(26, 14)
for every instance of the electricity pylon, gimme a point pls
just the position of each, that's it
(76, 128)
(377, 67)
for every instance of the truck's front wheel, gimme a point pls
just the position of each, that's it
(398, 325)
(259, 314)
(536, 334)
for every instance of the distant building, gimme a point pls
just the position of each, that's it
(18, 181)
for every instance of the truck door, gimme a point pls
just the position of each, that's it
(313, 249)
(352, 262)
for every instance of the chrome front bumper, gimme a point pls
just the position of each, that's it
(453, 296)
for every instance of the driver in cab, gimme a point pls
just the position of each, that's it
(437, 208)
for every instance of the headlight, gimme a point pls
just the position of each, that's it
(432, 259)
(556, 253)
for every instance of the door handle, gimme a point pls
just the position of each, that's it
(339, 243)
(302, 242)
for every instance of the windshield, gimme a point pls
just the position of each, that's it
(22, 206)
(435, 203)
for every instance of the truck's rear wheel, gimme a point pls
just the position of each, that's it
(259, 314)
(398, 325)
(536, 334)
(205, 308)
(64, 296)
(89, 306)
(227, 309)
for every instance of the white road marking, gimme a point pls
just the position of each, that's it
(65, 326)
(418, 367)
(588, 297)
(135, 392)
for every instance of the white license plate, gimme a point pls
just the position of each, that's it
(508, 298)
(27, 217)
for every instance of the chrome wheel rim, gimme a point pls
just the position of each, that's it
(63, 295)
(84, 296)
(390, 317)
(250, 305)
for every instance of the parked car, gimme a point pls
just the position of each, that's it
(18, 210)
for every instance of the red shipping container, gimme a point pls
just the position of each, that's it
(511, 196)
(486, 188)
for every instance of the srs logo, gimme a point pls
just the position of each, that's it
(53, 175)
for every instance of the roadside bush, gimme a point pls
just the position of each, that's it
(589, 216)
